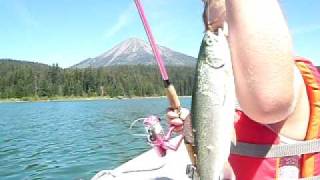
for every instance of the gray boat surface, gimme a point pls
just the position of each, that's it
(149, 166)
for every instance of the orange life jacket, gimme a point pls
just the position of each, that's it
(248, 167)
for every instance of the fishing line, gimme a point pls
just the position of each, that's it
(115, 174)
(208, 12)
(137, 134)
(135, 121)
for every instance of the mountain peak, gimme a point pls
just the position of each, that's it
(135, 51)
(133, 42)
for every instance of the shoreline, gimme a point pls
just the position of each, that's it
(61, 99)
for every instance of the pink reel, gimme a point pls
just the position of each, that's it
(157, 138)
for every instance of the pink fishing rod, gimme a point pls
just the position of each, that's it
(170, 90)
(152, 41)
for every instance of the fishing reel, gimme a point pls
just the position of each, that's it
(157, 138)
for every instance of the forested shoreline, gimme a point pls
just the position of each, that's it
(27, 80)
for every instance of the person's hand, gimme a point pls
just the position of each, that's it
(214, 14)
(177, 119)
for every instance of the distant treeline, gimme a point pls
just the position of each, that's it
(20, 79)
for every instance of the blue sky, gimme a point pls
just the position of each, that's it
(68, 31)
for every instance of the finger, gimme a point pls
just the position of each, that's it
(176, 122)
(172, 114)
(178, 129)
(173, 109)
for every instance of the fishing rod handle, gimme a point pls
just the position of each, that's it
(175, 104)
(173, 97)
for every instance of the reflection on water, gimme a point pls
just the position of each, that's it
(71, 140)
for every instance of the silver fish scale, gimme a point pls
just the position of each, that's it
(213, 106)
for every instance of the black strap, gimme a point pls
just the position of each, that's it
(274, 151)
(311, 178)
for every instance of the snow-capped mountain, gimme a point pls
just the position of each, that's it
(136, 51)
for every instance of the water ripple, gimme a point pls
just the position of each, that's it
(71, 140)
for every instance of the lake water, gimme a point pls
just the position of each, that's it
(72, 140)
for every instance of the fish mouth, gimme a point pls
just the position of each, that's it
(212, 51)
(215, 63)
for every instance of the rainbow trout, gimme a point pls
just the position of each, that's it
(213, 106)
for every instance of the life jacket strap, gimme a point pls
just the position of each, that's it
(311, 178)
(275, 150)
